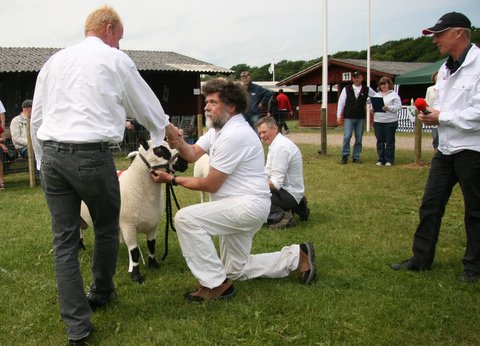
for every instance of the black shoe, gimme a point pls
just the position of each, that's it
(98, 303)
(302, 209)
(409, 264)
(344, 160)
(469, 276)
(82, 341)
(357, 161)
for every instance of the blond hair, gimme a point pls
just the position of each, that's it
(100, 18)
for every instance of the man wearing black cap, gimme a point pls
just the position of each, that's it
(458, 157)
(18, 128)
(351, 104)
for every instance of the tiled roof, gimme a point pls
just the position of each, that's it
(18, 59)
(393, 68)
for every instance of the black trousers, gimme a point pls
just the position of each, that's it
(445, 172)
(281, 201)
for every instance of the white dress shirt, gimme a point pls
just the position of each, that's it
(342, 99)
(284, 166)
(84, 93)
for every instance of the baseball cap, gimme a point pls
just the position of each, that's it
(27, 104)
(447, 21)
(356, 74)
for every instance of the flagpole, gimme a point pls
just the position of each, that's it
(323, 132)
(368, 63)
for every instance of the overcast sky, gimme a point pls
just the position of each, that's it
(226, 33)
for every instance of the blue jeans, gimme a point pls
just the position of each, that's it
(385, 133)
(252, 120)
(72, 173)
(446, 171)
(349, 127)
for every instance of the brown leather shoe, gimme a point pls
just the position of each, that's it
(307, 270)
(222, 292)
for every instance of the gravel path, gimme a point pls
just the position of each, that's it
(369, 141)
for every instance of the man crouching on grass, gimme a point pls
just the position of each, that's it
(239, 207)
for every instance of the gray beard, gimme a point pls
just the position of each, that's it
(219, 122)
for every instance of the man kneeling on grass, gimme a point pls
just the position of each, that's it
(284, 169)
(239, 207)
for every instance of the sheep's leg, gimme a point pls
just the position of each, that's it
(135, 257)
(152, 262)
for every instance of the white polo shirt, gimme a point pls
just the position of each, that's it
(237, 151)
(284, 167)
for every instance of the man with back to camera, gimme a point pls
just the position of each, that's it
(240, 203)
(457, 114)
(284, 109)
(351, 104)
(71, 131)
(259, 98)
(284, 169)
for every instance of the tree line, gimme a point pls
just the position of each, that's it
(418, 49)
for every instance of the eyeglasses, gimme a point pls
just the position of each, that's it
(244, 75)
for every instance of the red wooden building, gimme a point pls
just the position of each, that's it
(339, 75)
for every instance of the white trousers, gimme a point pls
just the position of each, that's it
(235, 220)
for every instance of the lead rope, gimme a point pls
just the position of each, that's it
(169, 213)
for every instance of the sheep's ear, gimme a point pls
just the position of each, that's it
(131, 155)
(180, 165)
(162, 152)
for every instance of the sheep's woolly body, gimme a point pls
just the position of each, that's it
(140, 211)
(142, 201)
(201, 169)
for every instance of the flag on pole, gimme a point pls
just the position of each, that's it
(271, 69)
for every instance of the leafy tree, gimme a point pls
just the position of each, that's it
(410, 49)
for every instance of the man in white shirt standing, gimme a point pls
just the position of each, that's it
(239, 207)
(81, 99)
(457, 160)
(351, 104)
(284, 168)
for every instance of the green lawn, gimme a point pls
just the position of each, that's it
(362, 219)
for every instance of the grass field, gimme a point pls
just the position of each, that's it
(363, 218)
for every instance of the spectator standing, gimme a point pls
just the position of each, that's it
(3, 151)
(457, 159)
(385, 123)
(284, 108)
(351, 104)
(2, 122)
(3, 148)
(71, 132)
(259, 98)
(18, 129)
(431, 98)
(273, 107)
(284, 169)
(239, 207)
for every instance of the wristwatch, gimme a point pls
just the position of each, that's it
(174, 181)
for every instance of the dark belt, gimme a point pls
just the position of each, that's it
(103, 146)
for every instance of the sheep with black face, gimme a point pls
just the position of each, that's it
(142, 202)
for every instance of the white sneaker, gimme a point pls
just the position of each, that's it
(379, 164)
(388, 164)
